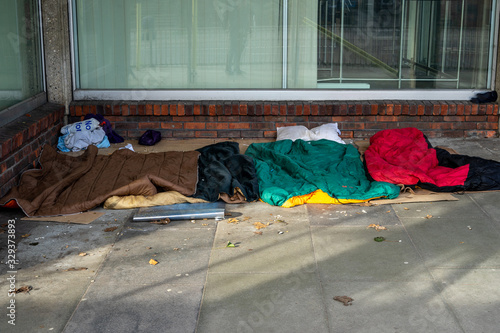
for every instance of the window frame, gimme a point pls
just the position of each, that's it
(15, 111)
(281, 94)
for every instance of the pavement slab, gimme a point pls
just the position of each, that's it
(291, 302)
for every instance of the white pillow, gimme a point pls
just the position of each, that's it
(326, 131)
(293, 133)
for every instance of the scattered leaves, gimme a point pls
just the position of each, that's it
(233, 220)
(260, 225)
(379, 239)
(153, 262)
(23, 289)
(346, 300)
(110, 229)
(377, 227)
(75, 269)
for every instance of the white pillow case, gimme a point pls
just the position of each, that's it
(326, 131)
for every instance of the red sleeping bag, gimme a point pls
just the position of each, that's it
(403, 156)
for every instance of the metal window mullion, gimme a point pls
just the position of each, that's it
(341, 60)
(285, 45)
(401, 43)
(460, 43)
(493, 45)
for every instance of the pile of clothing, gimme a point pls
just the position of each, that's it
(93, 130)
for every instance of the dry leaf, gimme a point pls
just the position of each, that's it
(346, 300)
(428, 216)
(110, 229)
(153, 262)
(204, 224)
(82, 254)
(25, 235)
(73, 269)
(366, 204)
(259, 225)
(246, 218)
(23, 289)
(232, 220)
(258, 232)
(377, 227)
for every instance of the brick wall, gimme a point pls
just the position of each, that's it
(259, 119)
(21, 142)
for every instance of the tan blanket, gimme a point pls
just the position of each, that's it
(68, 184)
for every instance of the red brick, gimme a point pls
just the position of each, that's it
(474, 109)
(267, 109)
(307, 110)
(211, 110)
(397, 109)
(196, 110)
(194, 125)
(454, 118)
(78, 110)
(183, 134)
(149, 110)
(217, 126)
(275, 110)
(173, 109)
(205, 134)
(150, 125)
(235, 109)
(475, 118)
(387, 118)
(239, 125)
(164, 110)
(171, 125)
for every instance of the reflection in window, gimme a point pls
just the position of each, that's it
(20, 52)
(292, 44)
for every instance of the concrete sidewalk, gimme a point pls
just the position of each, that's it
(437, 271)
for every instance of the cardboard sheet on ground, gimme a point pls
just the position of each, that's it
(418, 195)
(81, 218)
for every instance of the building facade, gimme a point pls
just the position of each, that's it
(242, 68)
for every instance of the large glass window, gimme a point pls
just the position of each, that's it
(20, 52)
(283, 44)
